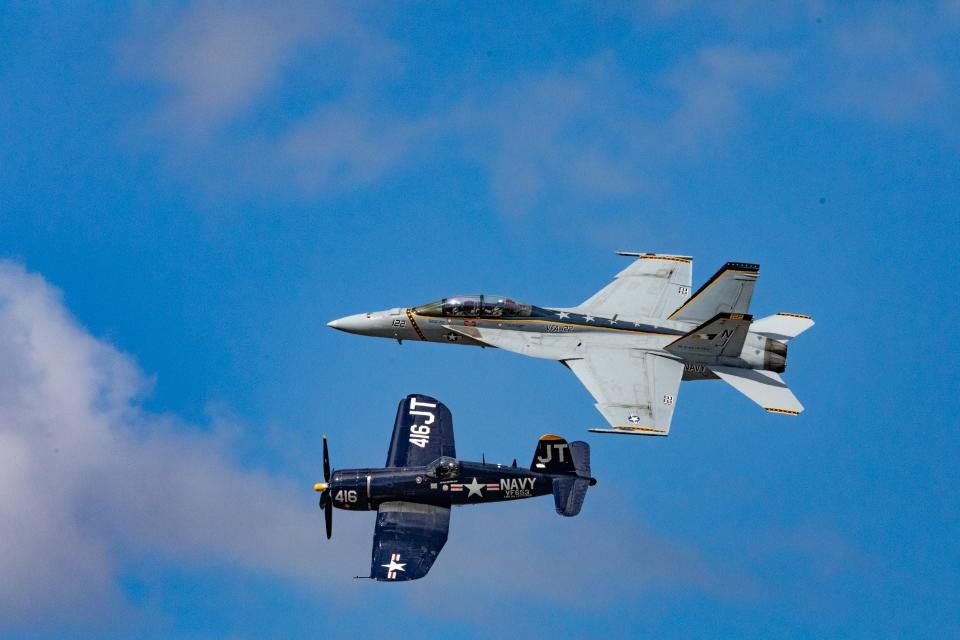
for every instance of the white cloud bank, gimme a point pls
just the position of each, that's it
(89, 478)
(571, 138)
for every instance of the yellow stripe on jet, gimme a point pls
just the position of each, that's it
(414, 324)
(783, 411)
(567, 324)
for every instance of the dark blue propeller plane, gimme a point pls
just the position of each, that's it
(423, 479)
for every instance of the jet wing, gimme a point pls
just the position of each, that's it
(635, 389)
(422, 432)
(654, 286)
(407, 539)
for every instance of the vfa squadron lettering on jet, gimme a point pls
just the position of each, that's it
(631, 343)
(558, 328)
(423, 480)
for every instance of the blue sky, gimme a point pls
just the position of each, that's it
(189, 193)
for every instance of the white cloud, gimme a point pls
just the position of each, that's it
(592, 135)
(216, 71)
(217, 62)
(711, 89)
(885, 67)
(598, 134)
(569, 138)
(88, 479)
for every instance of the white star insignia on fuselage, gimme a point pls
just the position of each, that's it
(474, 488)
(563, 314)
(589, 319)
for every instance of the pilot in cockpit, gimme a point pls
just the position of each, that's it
(444, 469)
(474, 306)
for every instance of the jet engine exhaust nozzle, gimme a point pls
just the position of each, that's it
(775, 356)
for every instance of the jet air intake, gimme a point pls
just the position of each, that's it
(775, 356)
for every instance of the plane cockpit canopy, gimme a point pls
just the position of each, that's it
(443, 468)
(475, 307)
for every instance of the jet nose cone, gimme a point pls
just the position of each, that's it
(343, 324)
(359, 323)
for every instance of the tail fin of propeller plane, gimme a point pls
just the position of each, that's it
(570, 464)
(552, 456)
(728, 291)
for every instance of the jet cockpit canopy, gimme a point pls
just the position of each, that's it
(443, 468)
(484, 306)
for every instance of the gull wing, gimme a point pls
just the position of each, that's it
(407, 539)
(652, 287)
(422, 432)
(635, 389)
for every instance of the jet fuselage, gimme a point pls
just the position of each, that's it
(556, 334)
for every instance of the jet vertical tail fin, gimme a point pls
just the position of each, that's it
(722, 335)
(728, 291)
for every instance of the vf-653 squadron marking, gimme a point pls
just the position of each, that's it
(423, 479)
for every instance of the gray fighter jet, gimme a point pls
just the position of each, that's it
(631, 343)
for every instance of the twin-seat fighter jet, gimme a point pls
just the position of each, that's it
(423, 479)
(631, 343)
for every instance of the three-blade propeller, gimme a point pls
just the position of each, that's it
(324, 488)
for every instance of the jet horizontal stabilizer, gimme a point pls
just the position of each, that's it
(631, 431)
(782, 326)
(766, 388)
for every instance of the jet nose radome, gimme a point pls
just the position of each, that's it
(357, 323)
(380, 324)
